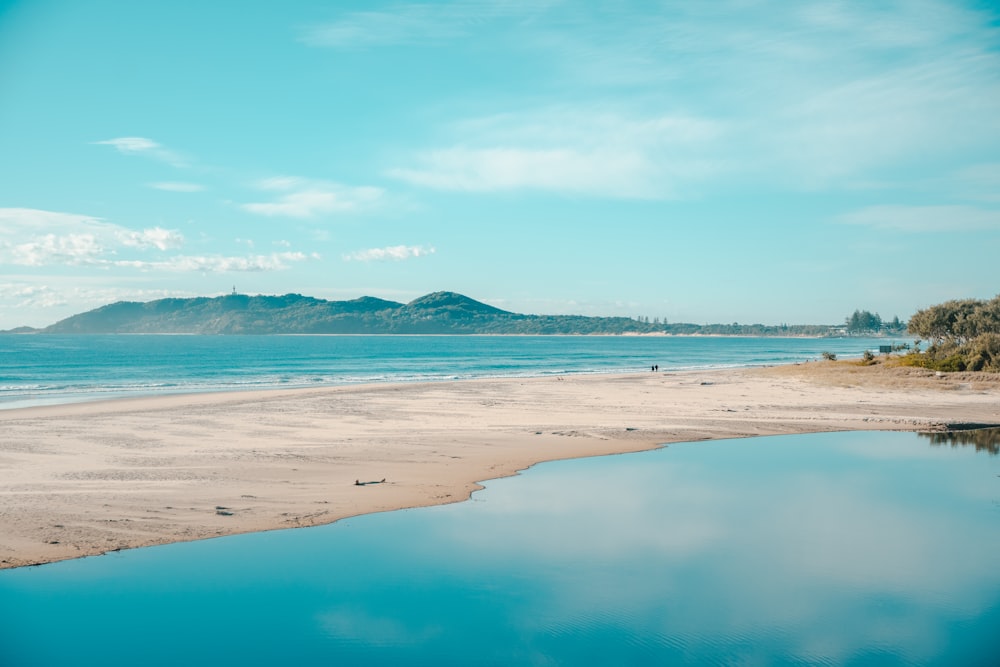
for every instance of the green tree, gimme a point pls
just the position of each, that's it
(964, 334)
(956, 320)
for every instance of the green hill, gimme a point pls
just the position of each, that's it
(437, 313)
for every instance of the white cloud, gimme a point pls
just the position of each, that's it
(397, 253)
(51, 249)
(34, 237)
(177, 186)
(924, 218)
(145, 147)
(155, 237)
(305, 198)
(131, 144)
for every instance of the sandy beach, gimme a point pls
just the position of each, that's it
(86, 479)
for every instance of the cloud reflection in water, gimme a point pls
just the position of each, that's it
(825, 546)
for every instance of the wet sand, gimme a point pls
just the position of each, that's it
(85, 479)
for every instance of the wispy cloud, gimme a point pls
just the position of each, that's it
(417, 24)
(412, 24)
(887, 118)
(396, 253)
(146, 148)
(561, 170)
(132, 144)
(278, 261)
(177, 186)
(593, 153)
(306, 198)
(819, 95)
(924, 218)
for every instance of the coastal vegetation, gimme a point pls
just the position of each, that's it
(865, 323)
(437, 313)
(963, 335)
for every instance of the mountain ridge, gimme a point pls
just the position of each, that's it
(434, 313)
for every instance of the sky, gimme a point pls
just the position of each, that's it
(707, 162)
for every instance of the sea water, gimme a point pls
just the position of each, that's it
(45, 369)
(842, 548)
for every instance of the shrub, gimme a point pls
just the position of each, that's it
(914, 359)
(829, 356)
(951, 364)
(983, 353)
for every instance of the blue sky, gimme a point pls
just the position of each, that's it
(696, 161)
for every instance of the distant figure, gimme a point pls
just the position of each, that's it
(357, 482)
(656, 368)
(652, 369)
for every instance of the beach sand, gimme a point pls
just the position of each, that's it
(85, 479)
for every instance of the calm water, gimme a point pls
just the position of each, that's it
(859, 548)
(44, 369)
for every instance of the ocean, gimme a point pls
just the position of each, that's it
(52, 369)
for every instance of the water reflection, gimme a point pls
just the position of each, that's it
(836, 548)
(776, 549)
(983, 439)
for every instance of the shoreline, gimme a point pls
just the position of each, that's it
(82, 479)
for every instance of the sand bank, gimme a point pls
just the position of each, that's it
(84, 479)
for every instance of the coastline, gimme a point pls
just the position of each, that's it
(83, 479)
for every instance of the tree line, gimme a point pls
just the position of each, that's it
(865, 322)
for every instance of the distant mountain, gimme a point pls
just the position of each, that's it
(437, 313)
